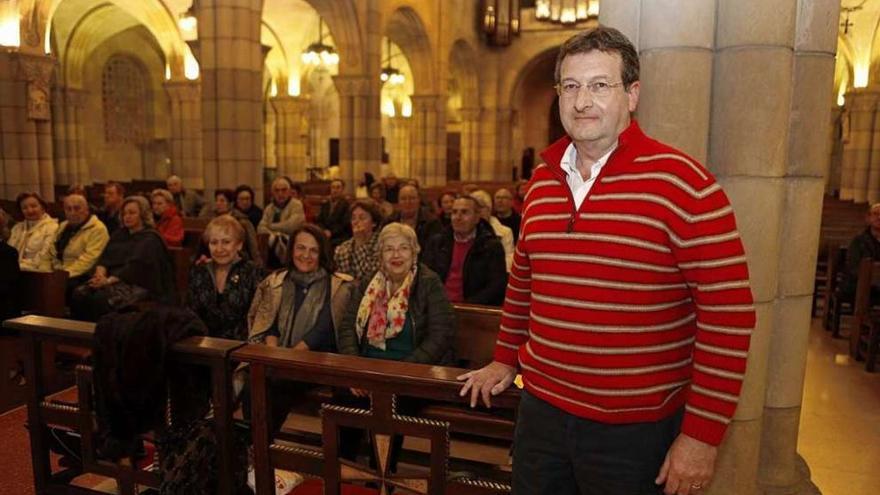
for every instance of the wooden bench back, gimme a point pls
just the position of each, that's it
(476, 334)
(43, 293)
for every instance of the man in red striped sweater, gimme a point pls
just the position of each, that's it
(628, 310)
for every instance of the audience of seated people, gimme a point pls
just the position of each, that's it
(502, 231)
(33, 236)
(224, 199)
(505, 213)
(78, 243)
(357, 256)
(10, 273)
(281, 217)
(221, 290)
(135, 266)
(468, 257)
(333, 217)
(244, 202)
(410, 212)
(377, 194)
(111, 213)
(169, 223)
(189, 203)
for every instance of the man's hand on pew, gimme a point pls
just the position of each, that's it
(487, 381)
(359, 392)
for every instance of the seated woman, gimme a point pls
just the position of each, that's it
(401, 314)
(357, 256)
(32, 237)
(169, 223)
(299, 307)
(377, 194)
(224, 199)
(135, 266)
(220, 291)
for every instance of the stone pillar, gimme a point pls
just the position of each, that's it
(676, 73)
(835, 139)
(399, 146)
(429, 139)
(26, 158)
(186, 132)
(862, 105)
(470, 137)
(231, 59)
(360, 127)
(291, 135)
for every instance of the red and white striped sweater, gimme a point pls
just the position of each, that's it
(636, 303)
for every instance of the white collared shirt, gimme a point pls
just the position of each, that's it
(580, 187)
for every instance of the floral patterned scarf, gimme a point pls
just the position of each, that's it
(382, 314)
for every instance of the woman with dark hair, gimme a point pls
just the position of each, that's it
(377, 194)
(357, 256)
(32, 237)
(224, 201)
(135, 266)
(301, 305)
(444, 207)
(245, 203)
(220, 291)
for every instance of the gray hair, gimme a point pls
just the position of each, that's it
(173, 179)
(165, 193)
(76, 198)
(482, 197)
(395, 229)
(144, 206)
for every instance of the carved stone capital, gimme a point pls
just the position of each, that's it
(36, 71)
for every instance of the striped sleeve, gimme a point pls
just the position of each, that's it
(514, 330)
(707, 248)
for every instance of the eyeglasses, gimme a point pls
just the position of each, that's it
(599, 89)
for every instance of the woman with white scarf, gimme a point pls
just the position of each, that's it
(32, 237)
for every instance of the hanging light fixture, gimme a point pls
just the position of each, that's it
(389, 74)
(501, 21)
(189, 23)
(566, 12)
(318, 53)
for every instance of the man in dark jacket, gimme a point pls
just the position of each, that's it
(864, 245)
(334, 217)
(468, 257)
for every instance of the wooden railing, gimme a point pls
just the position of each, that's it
(445, 413)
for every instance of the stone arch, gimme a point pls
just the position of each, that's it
(154, 15)
(406, 29)
(535, 100)
(462, 66)
(342, 20)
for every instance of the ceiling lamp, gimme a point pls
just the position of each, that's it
(189, 23)
(501, 21)
(389, 74)
(318, 53)
(566, 12)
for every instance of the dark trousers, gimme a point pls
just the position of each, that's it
(557, 453)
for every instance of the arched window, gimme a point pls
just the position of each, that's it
(125, 101)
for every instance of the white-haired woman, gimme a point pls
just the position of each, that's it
(134, 266)
(169, 222)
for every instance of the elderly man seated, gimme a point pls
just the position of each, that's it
(189, 203)
(469, 257)
(79, 242)
(281, 218)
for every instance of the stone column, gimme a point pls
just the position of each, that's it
(291, 135)
(429, 139)
(231, 59)
(399, 148)
(676, 73)
(186, 132)
(835, 139)
(25, 124)
(861, 105)
(470, 136)
(360, 127)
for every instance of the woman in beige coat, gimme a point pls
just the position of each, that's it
(32, 237)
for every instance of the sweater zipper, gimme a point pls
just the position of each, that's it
(563, 177)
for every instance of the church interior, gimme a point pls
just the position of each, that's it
(779, 99)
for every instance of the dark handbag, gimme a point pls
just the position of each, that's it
(121, 294)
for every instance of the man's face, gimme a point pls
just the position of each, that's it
(112, 198)
(175, 186)
(76, 210)
(589, 118)
(464, 216)
(408, 200)
(336, 190)
(280, 191)
(503, 201)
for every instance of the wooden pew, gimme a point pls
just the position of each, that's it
(181, 258)
(476, 334)
(37, 332)
(834, 306)
(385, 380)
(43, 293)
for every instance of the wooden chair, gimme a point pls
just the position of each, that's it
(835, 307)
(865, 336)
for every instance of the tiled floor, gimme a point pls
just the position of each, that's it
(840, 420)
